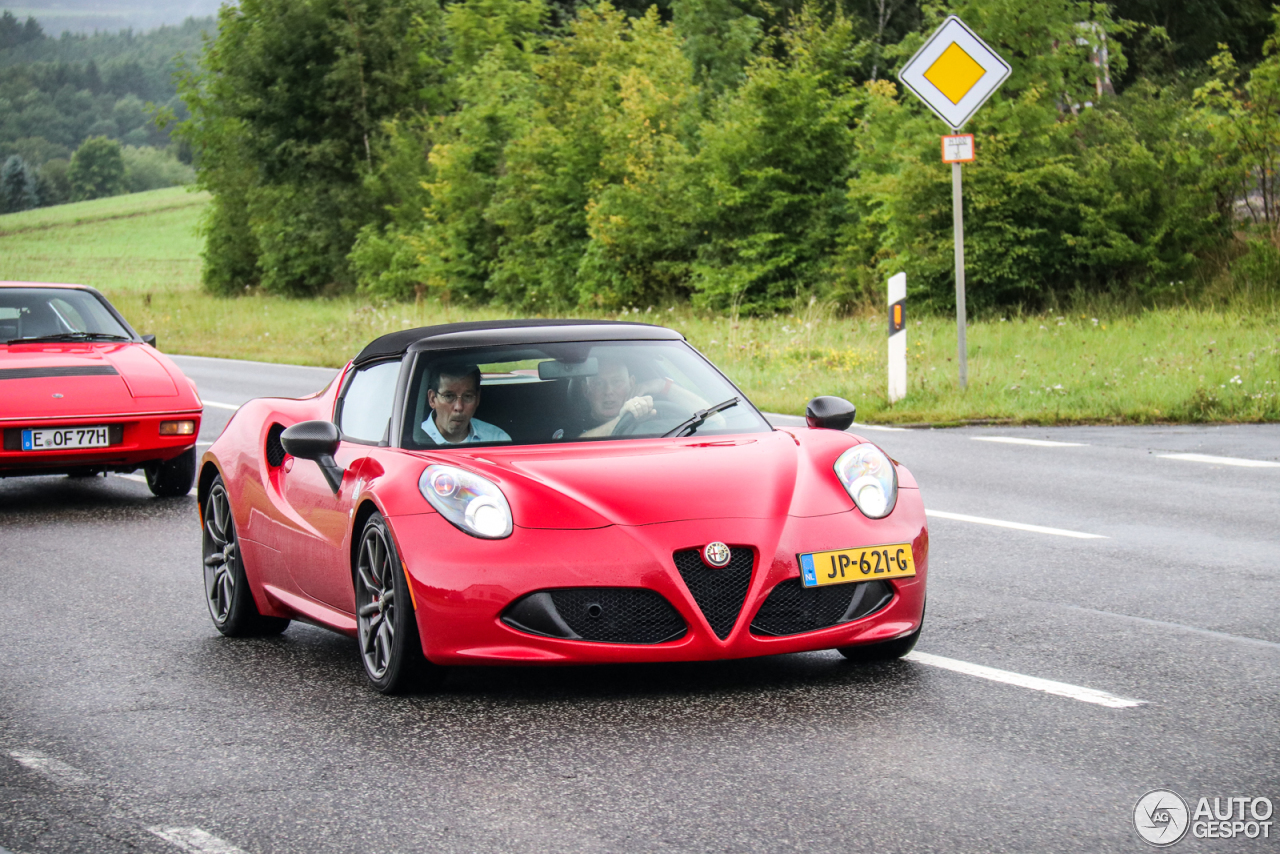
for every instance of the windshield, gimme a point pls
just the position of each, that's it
(571, 392)
(28, 313)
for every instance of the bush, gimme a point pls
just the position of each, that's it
(148, 168)
(52, 184)
(97, 170)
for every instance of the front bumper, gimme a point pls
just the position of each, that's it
(462, 585)
(141, 444)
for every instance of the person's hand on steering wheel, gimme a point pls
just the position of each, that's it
(640, 408)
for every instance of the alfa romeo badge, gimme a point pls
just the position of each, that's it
(716, 555)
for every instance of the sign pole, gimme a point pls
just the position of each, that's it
(954, 73)
(957, 216)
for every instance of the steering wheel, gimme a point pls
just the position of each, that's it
(664, 408)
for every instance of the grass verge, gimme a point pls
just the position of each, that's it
(1106, 365)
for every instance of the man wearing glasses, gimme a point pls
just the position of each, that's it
(453, 396)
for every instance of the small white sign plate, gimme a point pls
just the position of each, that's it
(957, 149)
(954, 73)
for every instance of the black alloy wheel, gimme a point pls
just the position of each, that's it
(386, 625)
(868, 653)
(173, 478)
(226, 590)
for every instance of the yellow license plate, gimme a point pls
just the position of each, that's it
(844, 566)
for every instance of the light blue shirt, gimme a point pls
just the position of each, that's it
(478, 431)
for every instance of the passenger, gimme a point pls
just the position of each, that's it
(614, 392)
(453, 393)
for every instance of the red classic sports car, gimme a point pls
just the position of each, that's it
(81, 393)
(548, 492)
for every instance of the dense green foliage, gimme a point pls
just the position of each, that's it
(57, 93)
(546, 156)
(290, 105)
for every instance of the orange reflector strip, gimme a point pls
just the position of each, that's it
(409, 584)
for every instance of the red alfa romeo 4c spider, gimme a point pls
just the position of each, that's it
(81, 393)
(549, 492)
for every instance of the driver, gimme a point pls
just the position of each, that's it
(613, 392)
(453, 394)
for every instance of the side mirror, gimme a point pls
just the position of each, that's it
(833, 413)
(317, 441)
(150, 339)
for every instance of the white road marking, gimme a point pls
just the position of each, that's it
(54, 769)
(1209, 633)
(1040, 443)
(216, 405)
(203, 444)
(1035, 683)
(1017, 526)
(136, 478)
(1221, 461)
(195, 840)
(879, 427)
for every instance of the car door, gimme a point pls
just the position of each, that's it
(319, 554)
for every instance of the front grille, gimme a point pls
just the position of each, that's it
(793, 608)
(601, 614)
(275, 450)
(718, 592)
(59, 371)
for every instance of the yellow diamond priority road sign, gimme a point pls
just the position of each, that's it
(954, 73)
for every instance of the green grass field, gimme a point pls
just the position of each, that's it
(1104, 366)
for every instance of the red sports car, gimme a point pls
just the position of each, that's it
(548, 492)
(81, 393)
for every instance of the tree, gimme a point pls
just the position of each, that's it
(17, 186)
(97, 170)
(287, 117)
(13, 33)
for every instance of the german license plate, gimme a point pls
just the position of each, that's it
(843, 566)
(65, 438)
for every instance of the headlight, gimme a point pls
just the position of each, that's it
(870, 479)
(469, 501)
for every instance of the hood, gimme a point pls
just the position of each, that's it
(91, 379)
(642, 482)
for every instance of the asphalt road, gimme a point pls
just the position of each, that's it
(128, 724)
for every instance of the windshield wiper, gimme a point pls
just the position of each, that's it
(695, 421)
(70, 336)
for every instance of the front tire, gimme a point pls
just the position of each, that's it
(869, 653)
(386, 626)
(226, 589)
(173, 478)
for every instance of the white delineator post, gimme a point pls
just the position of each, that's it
(897, 337)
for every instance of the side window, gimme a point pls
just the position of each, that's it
(367, 402)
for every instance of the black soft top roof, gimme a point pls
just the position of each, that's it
(482, 333)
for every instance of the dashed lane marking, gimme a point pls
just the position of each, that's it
(1221, 461)
(55, 769)
(136, 478)
(1039, 443)
(1035, 683)
(216, 405)
(1017, 526)
(1164, 624)
(195, 840)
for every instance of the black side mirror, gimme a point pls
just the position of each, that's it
(318, 441)
(150, 339)
(833, 413)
